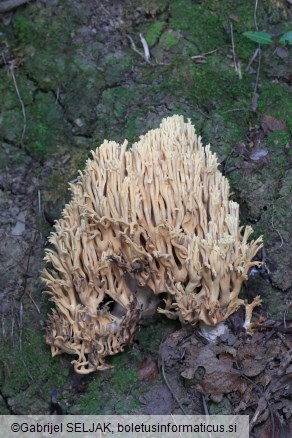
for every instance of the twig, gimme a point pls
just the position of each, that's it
(12, 323)
(284, 340)
(145, 47)
(205, 405)
(11, 73)
(234, 109)
(236, 64)
(146, 54)
(252, 59)
(20, 324)
(203, 55)
(34, 303)
(255, 14)
(133, 45)
(170, 388)
(3, 326)
(39, 201)
(255, 93)
(285, 313)
(203, 113)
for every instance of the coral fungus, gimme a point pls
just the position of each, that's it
(156, 216)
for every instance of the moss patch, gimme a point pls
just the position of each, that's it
(44, 125)
(153, 32)
(29, 361)
(118, 390)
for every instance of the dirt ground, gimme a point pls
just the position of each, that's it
(73, 73)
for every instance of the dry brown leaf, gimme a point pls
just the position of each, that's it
(252, 360)
(222, 380)
(168, 350)
(220, 377)
(148, 370)
(270, 124)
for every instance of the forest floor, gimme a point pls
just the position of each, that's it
(73, 73)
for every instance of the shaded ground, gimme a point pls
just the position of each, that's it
(69, 78)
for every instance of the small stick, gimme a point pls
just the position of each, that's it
(145, 47)
(39, 201)
(21, 103)
(133, 45)
(203, 55)
(252, 59)
(35, 304)
(255, 15)
(3, 327)
(12, 324)
(20, 325)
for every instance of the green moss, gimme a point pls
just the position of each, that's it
(11, 125)
(153, 32)
(117, 100)
(44, 126)
(123, 377)
(114, 65)
(105, 399)
(150, 337)
(273, 300)
(276, 143)
(153, 7)
(41, 27)
(32, 362)
(9, 98)
(201, 25)
(169, 39)
(222, 408)
(221, 91)
(274, 101)
(91, 402)
(42, 36)
(25, 28)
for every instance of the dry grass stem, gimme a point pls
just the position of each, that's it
(235, 62)
(11, 73)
